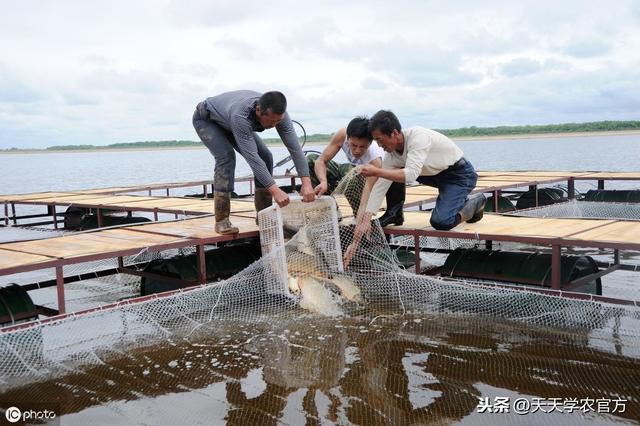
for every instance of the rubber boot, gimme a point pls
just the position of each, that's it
(262, 199)
(222, 203)
(477, 216)
(473, 209)
(395, 202)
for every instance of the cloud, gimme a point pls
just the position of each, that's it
(373, 83)
(573, 95)
(239, 49)
(429, 72)
(204, 13)
(139, 68)
(98, 61)
(81, 99)
(409, 63)
(588, 48)
(521, 66)
(130, 82)
(13, 90)
(635, 10)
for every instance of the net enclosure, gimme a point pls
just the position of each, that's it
(300, 337)
(583, 209)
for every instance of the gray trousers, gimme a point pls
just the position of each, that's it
(222, 146)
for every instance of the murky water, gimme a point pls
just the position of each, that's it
(296, 368)
(427, 369)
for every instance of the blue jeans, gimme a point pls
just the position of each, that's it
(222, 146)
(454, 185)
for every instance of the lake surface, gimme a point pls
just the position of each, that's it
(23, 173)
(398, 370)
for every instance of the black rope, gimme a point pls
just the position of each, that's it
(288, 158)
(304, 133)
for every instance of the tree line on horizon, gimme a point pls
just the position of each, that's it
(595, 126)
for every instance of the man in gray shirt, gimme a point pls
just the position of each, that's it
(227, 123)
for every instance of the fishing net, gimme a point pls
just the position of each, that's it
(583, 209)
(300, 336)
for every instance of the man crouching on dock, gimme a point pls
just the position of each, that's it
(229, 122)
(424, 155)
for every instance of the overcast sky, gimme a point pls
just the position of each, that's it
(88, 72)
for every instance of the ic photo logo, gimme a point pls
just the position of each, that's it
(14, 415)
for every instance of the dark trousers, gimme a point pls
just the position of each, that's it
(454, 185)
(222, 146)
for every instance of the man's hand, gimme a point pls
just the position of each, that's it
(363, 227)
(369, 170)
(279, 196)
(306, 190)
(321, 188)
(349, 253)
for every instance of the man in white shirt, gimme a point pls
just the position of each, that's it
(359, 148)
(424, 155)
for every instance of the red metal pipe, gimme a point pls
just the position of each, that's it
(556, 266)
(60, 289)
(416, 249)
(55, 216)
(202, 264)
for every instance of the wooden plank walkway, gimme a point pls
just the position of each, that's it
(179, 205)
(582, 231)
(417, 195)
(130, 240)
(557, 233)
(112, 243)
(122, 241)
(82, 247)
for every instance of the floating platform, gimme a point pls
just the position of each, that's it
(58, 252)
(417, 196)
(102, 199)
(558, 233)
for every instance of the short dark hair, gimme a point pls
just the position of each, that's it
(359, 128)
(385, 121)
(273, 102)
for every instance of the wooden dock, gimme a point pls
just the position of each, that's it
(557, 233)
(417, 195)
(58, 252)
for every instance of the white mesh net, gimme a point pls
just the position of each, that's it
(314, 249)
(583, 209)
(298, 336)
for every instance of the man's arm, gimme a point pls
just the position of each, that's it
(244, 137)
(417, 151)
(366, 192)
(395, 175)
(363, 218)
(330, 151)
(290, 140)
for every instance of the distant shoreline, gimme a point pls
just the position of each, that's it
(460, 138)
(549, 135)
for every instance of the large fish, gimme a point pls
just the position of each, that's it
(321, 291)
